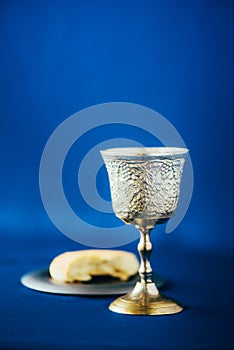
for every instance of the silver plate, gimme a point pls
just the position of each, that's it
(40, 280)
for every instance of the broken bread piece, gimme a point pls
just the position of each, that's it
(82, 265)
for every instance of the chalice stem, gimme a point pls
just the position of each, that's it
(145, 249)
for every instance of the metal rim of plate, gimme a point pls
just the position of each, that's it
(41, 281)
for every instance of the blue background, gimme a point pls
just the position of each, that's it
(175, 57)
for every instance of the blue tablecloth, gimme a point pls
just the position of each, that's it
(35, 320)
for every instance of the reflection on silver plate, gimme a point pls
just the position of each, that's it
(40, 280)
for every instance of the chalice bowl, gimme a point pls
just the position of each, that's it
(145, 187)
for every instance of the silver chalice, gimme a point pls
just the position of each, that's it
(145, 187)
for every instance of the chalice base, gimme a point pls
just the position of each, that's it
(145, 299)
